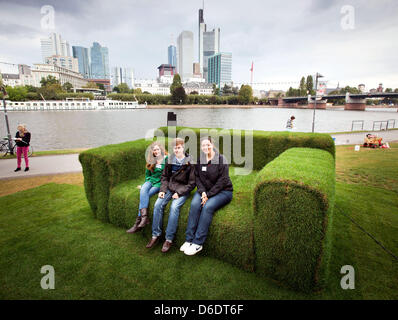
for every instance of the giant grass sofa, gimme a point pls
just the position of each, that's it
(277, 224)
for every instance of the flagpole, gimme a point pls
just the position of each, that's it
(251, 76)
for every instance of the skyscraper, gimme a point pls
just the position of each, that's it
(172, 55)
(122, 75)
(220, 69)
(185, 55)
(54, 45)
(209, 43)
(82, 56)
(99, 62)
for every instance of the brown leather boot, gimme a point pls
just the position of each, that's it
(144, 218)
(152, 242)
(135, 227)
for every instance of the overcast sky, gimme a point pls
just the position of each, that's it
(285, 39)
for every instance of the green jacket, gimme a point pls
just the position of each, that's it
(155, 176)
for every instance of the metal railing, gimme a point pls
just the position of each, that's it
(357, 122)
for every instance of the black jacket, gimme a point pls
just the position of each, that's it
(25, 138)
(182, 181)
(212, 177)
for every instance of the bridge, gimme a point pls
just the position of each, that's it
(353, 101)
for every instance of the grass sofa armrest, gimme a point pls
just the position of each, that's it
(293, 200)
(107, 166)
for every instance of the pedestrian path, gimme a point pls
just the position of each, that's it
(358, 138)
(43, 165)
(69, 163)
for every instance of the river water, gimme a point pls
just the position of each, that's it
(53, 130)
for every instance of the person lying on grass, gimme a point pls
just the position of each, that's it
(178, 180)
(214, 190)
(156, 160)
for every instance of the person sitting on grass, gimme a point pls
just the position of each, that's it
(178, 180)
(155, 164)
(22, 140)
(372, 141)
(214, 190)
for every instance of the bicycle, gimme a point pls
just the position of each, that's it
(5, 147)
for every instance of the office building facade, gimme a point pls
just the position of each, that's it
(209, 44)
(54, 45)
(185, 54)
(99, 62)
(82, 55)
(122, 75)
(220, 69)
(172, 55)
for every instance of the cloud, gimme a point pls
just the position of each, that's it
(285, 39)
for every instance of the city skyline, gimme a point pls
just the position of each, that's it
(285, 42)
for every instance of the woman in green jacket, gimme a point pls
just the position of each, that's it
(156, 160)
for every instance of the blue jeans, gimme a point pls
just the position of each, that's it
(147, 191)
(172, 225)
(200, 218)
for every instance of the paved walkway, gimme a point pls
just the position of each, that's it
(38, 166)
(69, 163)
(358, 138)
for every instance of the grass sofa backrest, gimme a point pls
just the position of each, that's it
(265, 145)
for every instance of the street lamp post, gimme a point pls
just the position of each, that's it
(318, 75)
(3, 90)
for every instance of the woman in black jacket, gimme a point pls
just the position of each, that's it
(177, 182)
(22, 140)
(214, 191)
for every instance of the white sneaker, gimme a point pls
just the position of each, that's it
(185, 246)
(193, 249)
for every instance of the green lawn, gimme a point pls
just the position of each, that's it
(53, 225)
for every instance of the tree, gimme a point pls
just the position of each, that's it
(91, 85)
(245, 94)
(176, 83)
(50, 91)
(310, 85)
(136, 91)
(49, 80)
(116, 89)
(216, 91)
(67, 86)
(123, 88)
(179, 96)
(388, 90)
(303, 88)
(17, 93)
(227, 90)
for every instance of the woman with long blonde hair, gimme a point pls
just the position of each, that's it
(22, 140)
(156, 159)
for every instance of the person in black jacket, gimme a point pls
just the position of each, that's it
(214, 191)
(22, 140)
(178, 180)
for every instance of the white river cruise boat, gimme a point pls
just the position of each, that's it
(70, 104)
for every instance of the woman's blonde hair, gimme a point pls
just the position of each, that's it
(21, 132)
(151, 160)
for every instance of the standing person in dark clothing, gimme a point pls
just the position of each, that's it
(214, 191)
(22, 140)
(178, 180)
